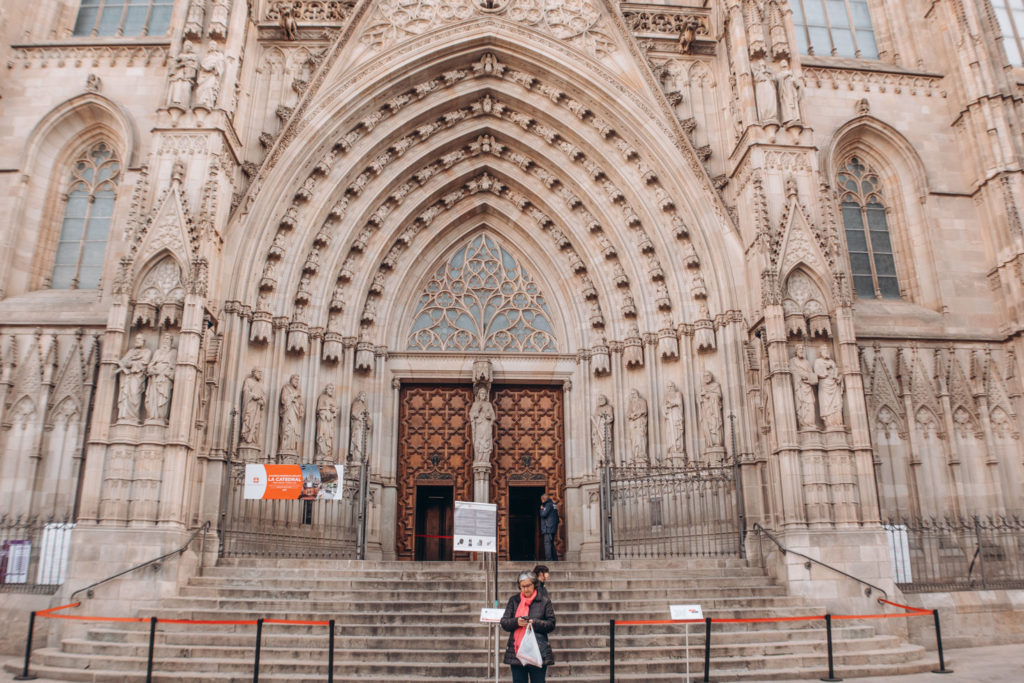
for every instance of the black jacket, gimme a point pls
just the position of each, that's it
(543, 614)
(549, 517)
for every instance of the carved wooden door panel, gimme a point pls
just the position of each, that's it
(529, 450)
(435, 448)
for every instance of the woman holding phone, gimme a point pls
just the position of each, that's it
(526, 608)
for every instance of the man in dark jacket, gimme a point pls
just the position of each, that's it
(549, 526)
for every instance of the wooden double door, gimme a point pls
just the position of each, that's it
(435, 466)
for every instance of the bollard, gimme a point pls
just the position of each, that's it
(25, 675)
(611, 651)
(938, 641)
(330, 655)
(707, 648)
(831, 663)
(149, 657)
(256, 662)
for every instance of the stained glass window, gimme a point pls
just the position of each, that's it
(872, 262)
(841, 28)
(482, 299)
(123, 17)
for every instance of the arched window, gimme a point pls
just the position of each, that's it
(87, 213)
(1010, 14)
(841, 28)
(867, 233)
(123, 17)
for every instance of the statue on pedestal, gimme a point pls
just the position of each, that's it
(132, 368)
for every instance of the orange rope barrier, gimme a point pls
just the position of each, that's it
(911, 612)
(49, 614)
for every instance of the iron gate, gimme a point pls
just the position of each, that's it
(661, 511)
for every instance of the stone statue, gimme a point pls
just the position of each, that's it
(183, 77)
(132, 368)
(804, 379)
(210, 73)
(830, 389)
(711, 412)
(326, 415)
(637, 416)
(161, 378)
(672, 409)
(481, 418)
(601, 424)
(254, 396)
(766, 93)
(292, 412)
(358, 424)
(790, 90)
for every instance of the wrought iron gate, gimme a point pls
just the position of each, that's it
(652, 511)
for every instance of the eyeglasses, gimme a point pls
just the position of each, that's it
(526, 585)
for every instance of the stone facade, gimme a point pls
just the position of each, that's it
(673, 184)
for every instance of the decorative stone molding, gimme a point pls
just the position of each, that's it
(58, 56)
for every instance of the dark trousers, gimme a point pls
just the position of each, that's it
(550, 554)
(528, 674)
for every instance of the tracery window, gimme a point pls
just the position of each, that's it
(1010, 14)
(872, 263)
(841, 28)
(482, 299)
(87, 214)
(123, 17)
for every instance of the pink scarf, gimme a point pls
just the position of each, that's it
(523, 611)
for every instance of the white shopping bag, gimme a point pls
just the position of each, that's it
(529, 650)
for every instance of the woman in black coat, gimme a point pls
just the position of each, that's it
(538, 611)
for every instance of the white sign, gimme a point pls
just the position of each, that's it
(491, 615)
(17, 554)
(686, 612)
(475, 527)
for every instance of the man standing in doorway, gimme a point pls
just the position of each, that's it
(549, 526)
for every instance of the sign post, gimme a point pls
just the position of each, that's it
(476, 530)
(686, 613)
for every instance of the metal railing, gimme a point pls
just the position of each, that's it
(957, 553)
(34, 553)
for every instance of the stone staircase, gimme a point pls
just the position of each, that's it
(399, 621)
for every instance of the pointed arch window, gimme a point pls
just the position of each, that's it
(88, 210)
(841, 28)
(1010, 14)
(872, 263)
(123, 17)
(482, 299)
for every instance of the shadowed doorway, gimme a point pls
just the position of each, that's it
(434, 523)
(524, 539)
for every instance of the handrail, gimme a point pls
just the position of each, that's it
(88, 589)
(761, 530)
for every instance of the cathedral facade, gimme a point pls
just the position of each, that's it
(481, 249)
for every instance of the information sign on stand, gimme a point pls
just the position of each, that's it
(686, 613)
(475, 527)
(491, 615)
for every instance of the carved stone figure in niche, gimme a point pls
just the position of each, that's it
(830, 389)
(688, 34)
(292, 411)
(481, 418)
(601, 424)
(326, 416)
(790, 90)
(254, 396)
(132, 368)
(288, 23)
(672, 409)
(711, 412)
(359, 427)
(161, 379)
(183, 77)
(210, 73)
(637, 417)
(804, 379)
(766, 93)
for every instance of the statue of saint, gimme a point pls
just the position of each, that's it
(601, 423)
(804, 379)
(359, 424)
(210, 73)
(254, 396)
(292, 412)
(672, 409)
(766, 93)
(637, 416)
(183, 77)
(132, 369)
(789, 94)
(161, 378)
(481, 418)
(711, 412)
(326, 414)
(830, 389)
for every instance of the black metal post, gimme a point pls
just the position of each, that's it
(938, 641)
(149, 656)
(25, 675)
(611, 651)
(831, 662)
(741, 508)
(707, 648)
(981, 552)
(256, 660)
(330, 655)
